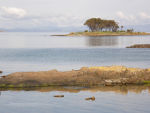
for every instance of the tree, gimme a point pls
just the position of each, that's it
(122, 28)
(93, 24)
(98, 24)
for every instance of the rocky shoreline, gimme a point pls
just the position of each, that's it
(92, 76)
(140, 46)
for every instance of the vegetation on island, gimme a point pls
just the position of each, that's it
(98, 24)
(103, 27)
(92, 76)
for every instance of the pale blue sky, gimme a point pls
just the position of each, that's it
(70, 13)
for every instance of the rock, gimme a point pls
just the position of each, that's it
(108, 82)
(112, 82)
(3, 76)
(59, 96)
(1, 71)
(90, 98)
(92, 76)
(140, 46)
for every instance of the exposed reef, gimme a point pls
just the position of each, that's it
(140, 46)
(92, 76)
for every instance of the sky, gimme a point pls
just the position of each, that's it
(62, 14)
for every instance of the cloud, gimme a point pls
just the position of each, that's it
(144, 15)
(121, 15)
(130, 19)
(50, 21)
(65, 20)
(13, 12)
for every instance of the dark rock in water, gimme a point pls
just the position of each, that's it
(1, 71)
(59, 96)
(91, 98)
(140, 46)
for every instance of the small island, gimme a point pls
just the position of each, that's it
(86, 76)
(102, 27)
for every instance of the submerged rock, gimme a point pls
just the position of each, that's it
(59, 96)
(90, 98)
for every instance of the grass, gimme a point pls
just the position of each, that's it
(146, 82)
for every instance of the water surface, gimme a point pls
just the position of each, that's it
(120, 99)
(40, 51)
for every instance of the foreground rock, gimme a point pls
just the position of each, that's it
(140, 46)
(91, 98)
(115, 75)
(59, 96)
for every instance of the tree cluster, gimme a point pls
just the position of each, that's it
(98, 24)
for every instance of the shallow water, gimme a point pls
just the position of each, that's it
(40, 51)
(131, 99)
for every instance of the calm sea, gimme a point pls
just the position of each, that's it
(23, 51)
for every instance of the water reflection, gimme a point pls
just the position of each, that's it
(102, 41)
(117, 89)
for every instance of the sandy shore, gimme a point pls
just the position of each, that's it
(115, 75)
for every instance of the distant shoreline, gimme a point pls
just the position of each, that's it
(95, 34)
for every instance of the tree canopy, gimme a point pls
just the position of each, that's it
(98, 24)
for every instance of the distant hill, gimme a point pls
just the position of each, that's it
(138, 28)
(47, 29)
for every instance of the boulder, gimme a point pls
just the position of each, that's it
(90, 98)
(59, 96)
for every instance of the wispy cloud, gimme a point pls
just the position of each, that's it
(13, 12)
(144, 15)
(12, 17)
(133, 19)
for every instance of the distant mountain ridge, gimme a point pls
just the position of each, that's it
(137, 28)
(140, 28)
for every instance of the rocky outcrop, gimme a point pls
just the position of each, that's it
(113, 75)
(140, 46)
